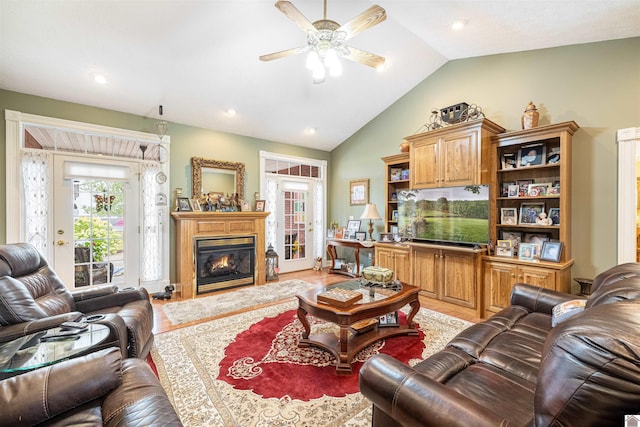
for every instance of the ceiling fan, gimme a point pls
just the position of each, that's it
(326, 40)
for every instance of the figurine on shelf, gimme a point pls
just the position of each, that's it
(543, 220)
(530, 117)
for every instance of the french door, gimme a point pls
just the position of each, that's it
(95, 221)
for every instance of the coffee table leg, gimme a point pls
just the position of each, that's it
(302, 315)
(415, 306)
(344, 365)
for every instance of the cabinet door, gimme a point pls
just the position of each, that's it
(459, 158)
(402, 267)
(384, 257)
(425, 172)
(424, 272)
(498, 281)
(537, 276)
(459, 284)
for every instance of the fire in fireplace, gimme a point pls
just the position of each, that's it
(224, 262)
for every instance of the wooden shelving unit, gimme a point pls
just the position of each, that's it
(394, 185)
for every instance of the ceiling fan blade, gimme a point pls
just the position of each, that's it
(282, 53)
(367, 19)
(364, 57)
(295, 15)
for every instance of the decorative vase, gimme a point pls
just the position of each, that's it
(404, 147)
(530, 117)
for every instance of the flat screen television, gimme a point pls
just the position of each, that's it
(452, 215)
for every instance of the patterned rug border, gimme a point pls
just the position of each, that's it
(219, 304)
(188, 368)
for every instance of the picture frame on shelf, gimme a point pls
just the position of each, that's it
(554, 216)
(359, 192)
(551, 251)
(394, 196)
(532, 155)
(394, 215)
(554, 156)
(184, 204)
(509, 216)
(539, 189)
(404, 174)
(504, 251)
(389, 319)
(537, 247)
(395, 174)
(245, 206)
(349, 235)
(524, 186)
(526, 252)
(195, 205)
(385, 238)
(330, 233)
(555, 188)
(506, 242)
(360, 236)
(529, 212)
(514, 236)
(505, 188)
(339, 233)
(260, 205)
(513, 191)
(536, 238)
(509, 160)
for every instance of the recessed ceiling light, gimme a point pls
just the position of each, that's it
(99, 78)
(310, 131)
(230, 112)
(459, 24)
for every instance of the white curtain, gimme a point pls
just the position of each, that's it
(36, 170)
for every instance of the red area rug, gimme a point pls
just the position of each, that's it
(266, 360)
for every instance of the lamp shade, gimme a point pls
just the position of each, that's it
(370, 212)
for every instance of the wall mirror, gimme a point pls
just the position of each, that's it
(216, 175)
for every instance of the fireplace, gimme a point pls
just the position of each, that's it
(224, 262)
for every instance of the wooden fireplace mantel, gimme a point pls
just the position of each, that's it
(215, 224)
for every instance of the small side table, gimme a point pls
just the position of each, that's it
(585, 285)
(31, 352)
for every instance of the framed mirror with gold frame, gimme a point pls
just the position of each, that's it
(220, 170)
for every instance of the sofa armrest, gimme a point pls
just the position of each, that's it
(17, 330)
(414, 400)
(537, 299)
(89, 303)
(89, 292)
(36, 396)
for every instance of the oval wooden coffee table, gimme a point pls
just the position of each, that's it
(349, 343)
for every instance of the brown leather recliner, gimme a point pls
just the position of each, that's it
(33, 298)
(515, 369)
(97, 389)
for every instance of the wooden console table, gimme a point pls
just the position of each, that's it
(356, 245)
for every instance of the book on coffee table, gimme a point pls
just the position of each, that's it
(339, 297)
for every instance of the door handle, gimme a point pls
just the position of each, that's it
(62, 243)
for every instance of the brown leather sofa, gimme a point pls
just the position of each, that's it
(99, 389)
(33, 298)
(515, 369)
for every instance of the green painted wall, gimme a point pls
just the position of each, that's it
(596, 84)
(186, 142)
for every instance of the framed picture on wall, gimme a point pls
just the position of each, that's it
(359, 192)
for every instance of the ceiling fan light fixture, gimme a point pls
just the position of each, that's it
(313, 60)
(319, 74)
(459, 24)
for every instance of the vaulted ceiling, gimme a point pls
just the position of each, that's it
(200, 58)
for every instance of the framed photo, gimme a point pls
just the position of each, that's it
(394, 196)
(505, 188)
(554, 156)
(330, 233)
(184, 204)
(245, 206)
(554, 215)
(361, 236)
(507, 243)
(386, 237)
(349, 235)
(394, 229)
(339, 234)
(260, 205)
(526, 251)
(389, 319)
(529, 212)
(195, 205)
(394, 215)
(395, 174)
(508, 216)
(513, 190)
(538, 238)
(532, 155)
(514, 236)
(509, 160)
(524, 186)
(404, 174)
(353, 225)
(539, 189)
(359, 192)
(551, 251)
(504, 251)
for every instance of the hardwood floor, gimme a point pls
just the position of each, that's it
(320, 278)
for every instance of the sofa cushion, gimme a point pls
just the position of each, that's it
(625, 288)
(590, 368)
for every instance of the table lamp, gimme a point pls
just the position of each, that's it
(370, 213)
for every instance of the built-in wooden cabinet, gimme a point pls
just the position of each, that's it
(500, 276)
(449, 274)
(517, 185)
(452, 156)
(397, 179)
(395, 257)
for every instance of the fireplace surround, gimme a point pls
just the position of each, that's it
(224, 262)
(192, 227)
